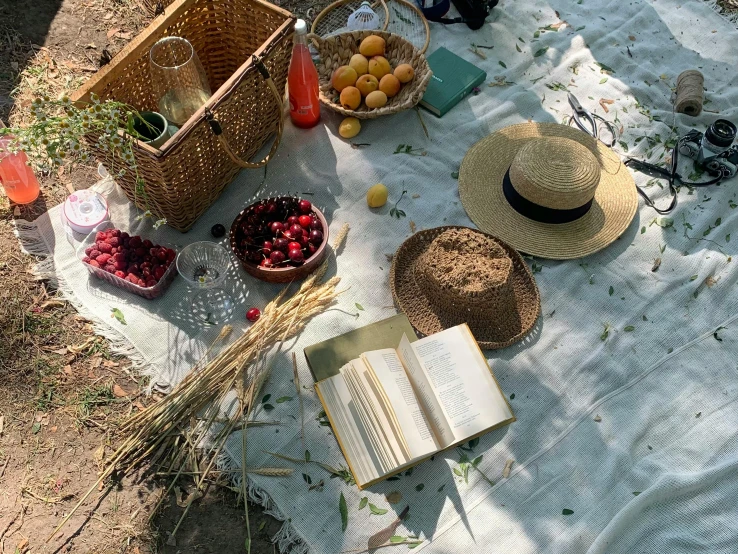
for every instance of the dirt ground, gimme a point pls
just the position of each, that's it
(61, 391)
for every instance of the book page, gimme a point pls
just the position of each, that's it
(426, 396)
(349, 430)
(462, 381)
(395, 386)
(375, 414)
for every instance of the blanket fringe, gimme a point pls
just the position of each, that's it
(287, 539)
(32, 243)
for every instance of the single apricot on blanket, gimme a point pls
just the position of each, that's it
(367, 84)
(343, 77)
(389, 85)
(349, 127)
(379, 66)
(350, 98)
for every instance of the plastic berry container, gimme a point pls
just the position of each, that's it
(146, 292)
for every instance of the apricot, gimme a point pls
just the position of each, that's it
(367, 84)
(389, 85)
(372, 45)
(350, 98)
(343, 77)
(360, 64)
(376, 99)
(404, 73)
(376, 196)
(349, 127)
(379, 66)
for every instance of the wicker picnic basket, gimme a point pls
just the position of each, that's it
(245, 48)
(337, 50)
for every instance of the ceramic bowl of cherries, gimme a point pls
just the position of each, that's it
(280, 239)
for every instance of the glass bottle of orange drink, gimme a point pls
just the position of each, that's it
(16, 175)
(303, 81)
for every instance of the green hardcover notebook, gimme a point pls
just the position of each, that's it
(453, 78)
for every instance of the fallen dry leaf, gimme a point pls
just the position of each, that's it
(2, 424)
(604, 102)
(22, 545)
(61, 351)
(631, 38)
(112, 32)
(558, 25)
(412, 226)
(656, 264)
(124, 35)
(597, 418)
(416, 196)
(508, 467)
(108, 16)
(42, 418)
(381, 537)
(53, 428)
(68, 369)
(710, 281)
(394, 497)
(118, 391)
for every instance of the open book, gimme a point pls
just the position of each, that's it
(392, 408)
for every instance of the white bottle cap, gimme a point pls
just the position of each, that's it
(301, 27)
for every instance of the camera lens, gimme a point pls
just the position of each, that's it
(721, 133)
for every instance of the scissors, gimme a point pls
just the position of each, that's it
(582, 117)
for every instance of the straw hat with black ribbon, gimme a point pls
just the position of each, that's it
(548, 190)
(447, 276)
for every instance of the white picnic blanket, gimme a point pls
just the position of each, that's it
(627, 430)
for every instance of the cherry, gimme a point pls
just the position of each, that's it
(316, 237)
(266, 247)
(289, 235)
(303, 240)
(253, 314)
(312, 248)
(281, 244)
(271, 207)
(305, 221)
(266, 262)
(277, 257)
(276, 227)
(291, 220)
(259, 209)
(316, 225)
(304, 206)
(296, 255)
(293, 245)
(296, 229)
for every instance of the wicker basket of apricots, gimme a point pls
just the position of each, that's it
(366, 74)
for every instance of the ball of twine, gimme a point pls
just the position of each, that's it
(690, 92)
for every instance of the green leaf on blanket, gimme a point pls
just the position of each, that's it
(693, 277)
(580, 28)
(540, 52)
(732, 205)
(605, 68)
(359, 307)
(707, 231)
(266, 398)
(517, 47)
(502, 63)
(605, 332)
(307, 478)
(628, 328)
(611, 290)
(521, 40)
(643, 229)
(397, 539)
(267, 407)
(377, 511)
(537, 34)
(363, 502)
(307, 452)
(476, 461)
(441, 488)
(567, 512)
(663, 222)
(344, 512)
(727, 237)
(512, 396)
(603, 80)
(636, 493)
(537, 79)
(117, 314)
(420, 487)
(718, 221)
(556, 86)
(670, 350)
(715, 334)
(623, 145)
(697, 415)
(662, 248)
(282, 399)
(454, 174)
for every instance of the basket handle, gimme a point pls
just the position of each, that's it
(218, 129)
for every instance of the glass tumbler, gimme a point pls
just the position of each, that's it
(204, 265)
(178, 79)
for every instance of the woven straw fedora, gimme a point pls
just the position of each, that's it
(548, 190)
(447, 276)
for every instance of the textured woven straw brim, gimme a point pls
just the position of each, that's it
(429, 317)
(480, 188)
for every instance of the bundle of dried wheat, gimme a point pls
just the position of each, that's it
(173, 429)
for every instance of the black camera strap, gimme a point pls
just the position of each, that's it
(472, 12)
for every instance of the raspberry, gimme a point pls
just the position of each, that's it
(124, 236)
(151, 283)
(110, 268)
(148, 244)
(86, 259)
(135, 242)
(113, 250)
(102, 259)
(88, 250)
(140, 251)
(159, 272)
(113, 241)
(94, 263)
(131, 278)
(149, 259)
(120, 265)
(171, 254)
(120, 274)
(100, 235)
(133, 268)
(162, 254)
(104, 247)
(119, 257)
(95, 253)
(114, 232)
